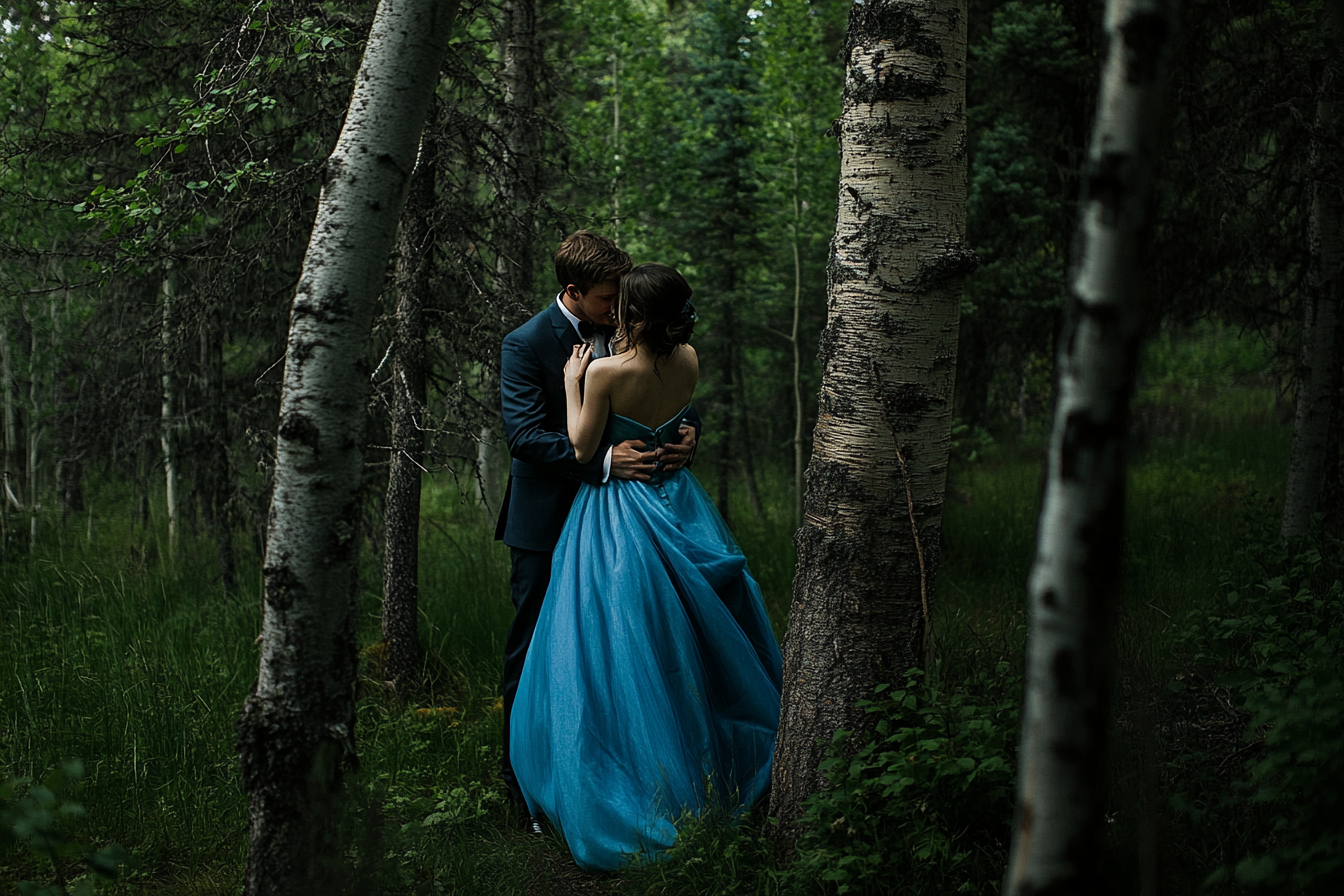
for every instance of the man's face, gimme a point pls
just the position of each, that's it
(597, 305)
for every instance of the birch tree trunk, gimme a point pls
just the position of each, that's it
(168, 410)
(868, 545)
(11, 433)
(1317, 392)
(401, 516)
(36, 430)
(11, 416)
(296, 733)
(1076, 572)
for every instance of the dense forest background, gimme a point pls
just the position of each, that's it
(162, 162)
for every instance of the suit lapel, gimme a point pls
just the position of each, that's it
(565, 334)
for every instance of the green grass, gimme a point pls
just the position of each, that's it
(139, 667)
(140, 675)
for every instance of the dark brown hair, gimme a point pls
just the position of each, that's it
(658, 298)
(587, 259)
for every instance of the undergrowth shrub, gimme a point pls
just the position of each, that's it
(1278, 649)
(45, 818)
(718, 852)
(927, 805)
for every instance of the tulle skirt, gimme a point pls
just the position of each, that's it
(651, 687)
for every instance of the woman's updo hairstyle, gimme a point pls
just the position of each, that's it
(655, 300)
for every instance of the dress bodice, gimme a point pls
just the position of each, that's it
(621, 429)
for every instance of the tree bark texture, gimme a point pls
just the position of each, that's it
(1076, 571)
(1317, 393)
(888, 357)
(168, 439)
(217, 480)
(401, 515)
(11, 415)
(519, 189)
(796, 344)
(296, 732)
(36, 431)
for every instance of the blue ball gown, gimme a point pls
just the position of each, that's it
(651, 688)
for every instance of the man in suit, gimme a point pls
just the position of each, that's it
(545, 476)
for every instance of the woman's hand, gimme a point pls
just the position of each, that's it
(586, 405)
(577, 365)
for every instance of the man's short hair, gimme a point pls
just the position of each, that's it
(587, 259)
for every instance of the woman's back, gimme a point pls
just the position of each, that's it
(647, 395)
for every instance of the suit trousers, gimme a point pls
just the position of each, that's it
(527, 588)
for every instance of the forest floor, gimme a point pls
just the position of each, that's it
(137, 664)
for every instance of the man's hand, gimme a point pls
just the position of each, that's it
(675, 455)
(629, 460)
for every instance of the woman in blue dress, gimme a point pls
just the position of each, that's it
(650, 692)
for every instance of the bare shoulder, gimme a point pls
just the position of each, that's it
(603, 371)
(686, 358)
(604, 367)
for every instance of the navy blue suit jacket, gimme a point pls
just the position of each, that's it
(544, 476)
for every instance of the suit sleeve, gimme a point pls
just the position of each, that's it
(523, 400)
(692, 418)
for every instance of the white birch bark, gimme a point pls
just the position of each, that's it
(168, 410)
(296, 732)
(35, 432)
(888, 357)
(1075, 574)
(11, 418)
(1317, 390)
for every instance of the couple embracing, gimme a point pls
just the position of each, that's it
(641, 675)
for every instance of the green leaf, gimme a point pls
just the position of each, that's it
(1237, 678)
(1256, 869)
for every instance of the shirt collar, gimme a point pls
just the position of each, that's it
(569, 315)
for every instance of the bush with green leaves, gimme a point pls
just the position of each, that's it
(926, 806)
(1279, 650)
(44, 819)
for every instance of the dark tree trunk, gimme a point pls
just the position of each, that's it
(517, 241)
(748, 440)
(222, 501)
(1317, 393)
(217, 483)
(401, 550)
(1332, 479)
(728, 383)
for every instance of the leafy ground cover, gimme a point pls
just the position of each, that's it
(1227, 674)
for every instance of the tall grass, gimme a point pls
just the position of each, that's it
(140, 674)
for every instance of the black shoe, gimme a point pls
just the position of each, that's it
(531, 825)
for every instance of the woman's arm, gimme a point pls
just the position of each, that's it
(587, 401)
(537, 433)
